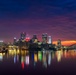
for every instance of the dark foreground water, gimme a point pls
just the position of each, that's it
(38, 63)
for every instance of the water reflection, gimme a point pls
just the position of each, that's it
(46, 58)
(1, 57)
(59, 55)
(49, 58)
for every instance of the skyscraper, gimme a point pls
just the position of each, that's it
(49, 40)
(1, 42)
(34, 39)
(44, 38)
(59, 44)
(23, 36)
(14, 40)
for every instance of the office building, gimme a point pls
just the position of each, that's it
(1, 42)
(44, 38)
(49, 40)
(59, 45)
(34, 39)
(23, 36)
(15, 39)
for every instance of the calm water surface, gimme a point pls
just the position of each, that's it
(38, 63)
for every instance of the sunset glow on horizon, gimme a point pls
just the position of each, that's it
(66, 43)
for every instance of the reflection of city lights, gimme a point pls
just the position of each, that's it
(12, 52)
(35, 41)
(65, 53)
(39, 55)
(44, 60)
(58, 56)
(27, 60)
(53, 55)
(45, 64)
(35, 57)
(1, 58)
(22, 52)
(22, 64)
(0, 54)
(22, 59)
(3, 54)
(18, 51)
(49, 59)
(14, 58)
(34, 63)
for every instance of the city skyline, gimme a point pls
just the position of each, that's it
(57, 18)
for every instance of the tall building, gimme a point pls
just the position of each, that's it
(1, 42)
(44, 38)
(59, 45)
(14, 40)
(34, 36)
(59, 42)
(34, 39)
(27, 39)
(23, 36)
(49, 40)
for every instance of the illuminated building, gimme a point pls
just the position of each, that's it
(34, 39)
(1, 42)
(27, 39)
(59, 44)
(44, 38)
(15, 40)
(23, 35)
(44, 44)
(49, 40)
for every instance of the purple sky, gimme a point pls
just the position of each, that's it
(55, 17)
